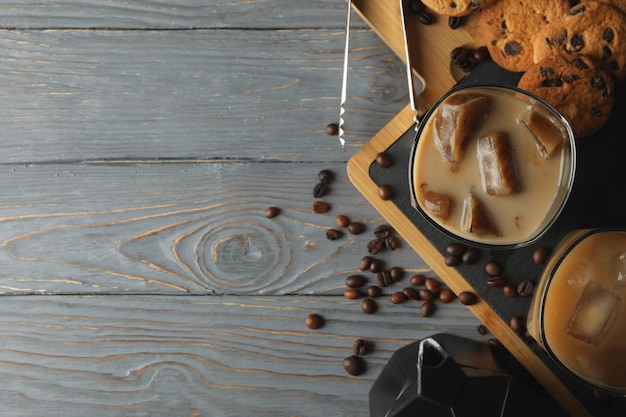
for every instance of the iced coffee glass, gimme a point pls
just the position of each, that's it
(492, 166)
(578, 313)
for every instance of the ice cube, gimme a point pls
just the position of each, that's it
(438, 204)
(549, 133)
(618, 269)
(475, 218)
(496, 163)
(457, 118)
(594, 315)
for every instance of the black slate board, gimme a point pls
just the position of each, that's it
(596, 200)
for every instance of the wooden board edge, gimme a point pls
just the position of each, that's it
(358, 173)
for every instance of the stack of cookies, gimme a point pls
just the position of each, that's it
(572, 56)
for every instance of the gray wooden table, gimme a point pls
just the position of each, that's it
(141, 143)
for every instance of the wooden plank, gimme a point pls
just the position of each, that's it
(77, 95)
(175, 356)
(176, 228)
(156, 14)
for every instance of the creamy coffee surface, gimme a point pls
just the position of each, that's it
(488, 166)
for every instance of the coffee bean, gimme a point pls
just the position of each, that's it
(352, 294)
(455, 249)
(272, 212)
(314, 321)
(509, 291)
(383, 231)
(495, 343)
(375, 246)
(454, 22)
(376, 266)
(398, 297)
(320, 190)
(355, 281)
(342, 220)
(425, 18)
(384, 192)
(481, 54)
(470, 256)
(326, 176)
(468, 298)
(374, 291)
(496, 282)
(540, 255)
(492, 268)
(411, 293)
(427, 309)
(482, 329)
(432, 285)
(333, 234)
(356, 228)
(360, 347)
(416, 6)
(452, 260)
(383, 160)
(332, 129)
(396, 273)
(354, 365)
(392, 243)
(459, 56)
(525, 288)
(365, 262)
(369, 306)
(384, 278)
(517, 324)
(446, 296)
(418, 279)
(321, 207)
(426, 295)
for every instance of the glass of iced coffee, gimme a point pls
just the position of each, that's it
(492, 165)
(578, 313)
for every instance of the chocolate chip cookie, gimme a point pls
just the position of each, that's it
(578, 86)
(456, 7)
(590, 28)
(508, 26)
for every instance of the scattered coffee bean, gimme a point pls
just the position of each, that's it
(384, 192)
(416, 6)
(459, 55)
(332, 129)
(354, 365)
(398, 297)
(411, 293)
(452, 260)
(375, 246)
(468, 298)
(360, 347)
(272, 212)
(492, 268)
(369, 306)
(540, 255)
(320, 190)
(496, 282)
(314, 321)
(454, 22)
(352, 294)
(396, 273)
(321, 207)
(509, 291)
(426, 295)
(326, 176)
(481, 54)
(425, 18)
(355, 281)
(518, 324)
(365, 262)
(342, 220)
(427, 309)
(374, 291)
(383, 231)
(495, 343)
(418, 279)
(456, 249)
(356, 228)
(432, 285)
(376, 266)
(392, 243)
(482, 329)
(383, 160)
(525, 288)
(446, 296)
(384, 278)
(333, 234)
(470, 256)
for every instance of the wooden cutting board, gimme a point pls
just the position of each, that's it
(433, 44)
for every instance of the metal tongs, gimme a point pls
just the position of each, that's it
(404, 10)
